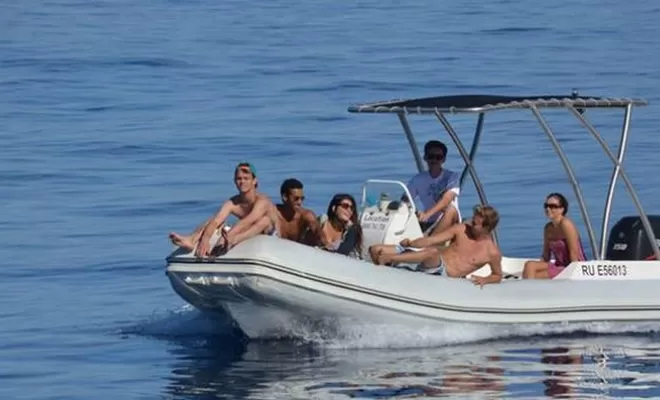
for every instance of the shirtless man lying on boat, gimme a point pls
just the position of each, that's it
(255, 211)
(296, 223)
(471, 248)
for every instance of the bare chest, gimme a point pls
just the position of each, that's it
(293, 225)
(241, 210)
(472, 251)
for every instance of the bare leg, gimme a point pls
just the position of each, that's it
(433, 260)
(185, 242)
(190, 241)
(263, 225)
(422, 256)
(374, 251)
(448, 219)
(378, 250)
(535, 270)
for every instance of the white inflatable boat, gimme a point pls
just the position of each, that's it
(618, 284)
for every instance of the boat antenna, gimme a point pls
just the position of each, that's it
(575, 93)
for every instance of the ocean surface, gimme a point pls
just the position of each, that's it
(121, 121)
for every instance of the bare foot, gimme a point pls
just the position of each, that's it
(182, 241)
(384, 259)
(378, 255)
(373, 254)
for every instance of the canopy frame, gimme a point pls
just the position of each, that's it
(481, 104)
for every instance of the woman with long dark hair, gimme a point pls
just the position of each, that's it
(340, 229)
(561, 241)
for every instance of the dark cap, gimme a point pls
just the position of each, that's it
(247, 165)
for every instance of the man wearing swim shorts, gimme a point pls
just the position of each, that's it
(471, 248)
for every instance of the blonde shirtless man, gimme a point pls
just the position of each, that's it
(256, 213)
(471, 248)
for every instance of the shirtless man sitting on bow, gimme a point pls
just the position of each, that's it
(255, 211)
(471, 248)
(295, 222)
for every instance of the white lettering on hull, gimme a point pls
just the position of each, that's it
(604, 270)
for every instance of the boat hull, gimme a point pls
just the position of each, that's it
(273, 274)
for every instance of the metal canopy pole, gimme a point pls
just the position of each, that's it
(475, 145)
(571, 177)
(411, 141)
(468, 163)
(633, 194)
(623, 142)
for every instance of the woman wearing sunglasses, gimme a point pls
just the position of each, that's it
(340, 230)
(561, 241)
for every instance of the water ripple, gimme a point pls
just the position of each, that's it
(122, 121)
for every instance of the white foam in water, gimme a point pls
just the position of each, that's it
(261, 323)
(185, 321)
(273, 324)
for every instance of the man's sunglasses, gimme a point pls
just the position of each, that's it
(551, 206)
(434, 157)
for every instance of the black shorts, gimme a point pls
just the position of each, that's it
(426, 225)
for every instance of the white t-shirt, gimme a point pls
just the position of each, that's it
(430, 190)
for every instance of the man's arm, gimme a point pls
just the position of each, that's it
(495, 276)
(440, 238)
(311, 234)
(259, 209)
(444, 201)
(451, 192)
(495, 267)
(220, 217)
(311, 221)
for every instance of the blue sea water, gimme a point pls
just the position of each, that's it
(121, 121)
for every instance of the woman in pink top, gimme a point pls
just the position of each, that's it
(561, 241)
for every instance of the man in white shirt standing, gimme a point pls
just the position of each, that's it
(437, 189)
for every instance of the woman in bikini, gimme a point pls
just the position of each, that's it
(561, 241)
(340, 230)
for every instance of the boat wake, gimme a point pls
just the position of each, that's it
(263, 325)
(260, 324)
(416, 363)
(182, 323)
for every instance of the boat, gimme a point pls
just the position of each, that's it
(267, 275)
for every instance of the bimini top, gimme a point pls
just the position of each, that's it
(484, 103)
